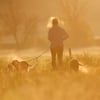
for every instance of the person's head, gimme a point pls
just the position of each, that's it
(54, 22)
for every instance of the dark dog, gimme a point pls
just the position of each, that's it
(15, 65)
(74, 65)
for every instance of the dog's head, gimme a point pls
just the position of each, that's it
(74, 64)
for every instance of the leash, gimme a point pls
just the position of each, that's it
(37, 57)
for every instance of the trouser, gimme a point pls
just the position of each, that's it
(57, 53)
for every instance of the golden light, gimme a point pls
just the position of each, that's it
(49, 25)
(83, 69)
(12, 57)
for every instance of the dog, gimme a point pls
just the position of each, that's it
(18, 66)
(74, 65)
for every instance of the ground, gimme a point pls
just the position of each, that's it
(43, 83)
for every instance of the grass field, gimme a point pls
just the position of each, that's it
(43, 83)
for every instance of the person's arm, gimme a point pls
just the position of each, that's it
(65, 35)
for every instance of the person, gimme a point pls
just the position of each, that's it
(56, 36)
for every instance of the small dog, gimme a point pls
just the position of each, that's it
(15, 65)
(74, 65)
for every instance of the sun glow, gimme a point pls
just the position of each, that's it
(12, 57)
(61, 22)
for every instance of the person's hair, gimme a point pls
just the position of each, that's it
(55, 21)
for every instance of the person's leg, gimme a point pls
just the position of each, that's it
(60, 55)
(53, 54)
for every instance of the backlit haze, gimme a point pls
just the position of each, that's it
(27, 70)
(25, 23)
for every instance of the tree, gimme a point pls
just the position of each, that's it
(77, 22)
(17, 23)
(29, 35)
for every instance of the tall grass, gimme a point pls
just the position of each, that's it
(43, 83)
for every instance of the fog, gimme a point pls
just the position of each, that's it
(24, 22)
(24, 26)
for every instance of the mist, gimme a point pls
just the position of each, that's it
(26, 65)
(24, 22)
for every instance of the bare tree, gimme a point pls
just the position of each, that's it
(29, 31)
(17, 23)
(11, 19)
(74, 12)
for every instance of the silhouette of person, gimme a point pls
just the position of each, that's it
(56, 36)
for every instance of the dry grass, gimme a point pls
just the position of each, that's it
(42, 83)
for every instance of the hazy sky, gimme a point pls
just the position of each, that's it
(49, 7)
(94, 15)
